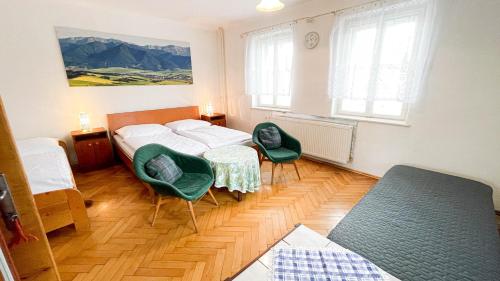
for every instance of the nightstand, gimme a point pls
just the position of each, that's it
(93, 149)
(218, 119)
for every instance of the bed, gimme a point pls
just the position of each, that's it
(159, 116)
(58, 201)
(194, 142)
(423, 225)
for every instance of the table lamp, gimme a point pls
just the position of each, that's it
(84, 122)
(210, 109)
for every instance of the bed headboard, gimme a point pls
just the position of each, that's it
(157, 116)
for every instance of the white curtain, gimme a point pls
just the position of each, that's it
(268, 62)
(382, 51)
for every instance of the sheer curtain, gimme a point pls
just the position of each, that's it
(381, 52)
(268, 63)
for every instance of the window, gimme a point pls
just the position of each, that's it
(379, 56)
(268, 67)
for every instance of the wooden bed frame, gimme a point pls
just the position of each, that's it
(157, 116)
(63, 207)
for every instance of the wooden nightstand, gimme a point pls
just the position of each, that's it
(93, 149)
(218, 119)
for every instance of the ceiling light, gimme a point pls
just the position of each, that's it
(270, 6)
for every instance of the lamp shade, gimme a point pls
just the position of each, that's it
(210, 109)
(270, 5)
(84, 121)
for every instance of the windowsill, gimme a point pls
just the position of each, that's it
(374, 120)
(277, 109)
(345, 117)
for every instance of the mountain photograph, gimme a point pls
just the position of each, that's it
(94, 58)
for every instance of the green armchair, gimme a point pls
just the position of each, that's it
(289, 152)
(196, 180)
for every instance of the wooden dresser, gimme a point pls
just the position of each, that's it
(218, 119)
(93, 149)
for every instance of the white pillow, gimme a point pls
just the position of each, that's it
(142, 130)
(187, 124)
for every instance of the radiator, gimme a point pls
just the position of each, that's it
(325, 140)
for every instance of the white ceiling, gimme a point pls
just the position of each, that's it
(210, 13)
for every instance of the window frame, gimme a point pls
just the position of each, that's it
(338, 112)
(256, 101)
(370, 99)
(257, 104)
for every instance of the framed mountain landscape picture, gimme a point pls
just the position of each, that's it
(94, 58)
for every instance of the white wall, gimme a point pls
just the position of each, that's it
(33, 82)
(454, 127)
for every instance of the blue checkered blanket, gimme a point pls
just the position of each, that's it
(296, 264)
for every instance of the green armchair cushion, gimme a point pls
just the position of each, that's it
(270, 137)
(163, 168)
(190, 183)
(282, 154)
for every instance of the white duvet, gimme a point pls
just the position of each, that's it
(46, 165)
(170, 140)
(216, 136)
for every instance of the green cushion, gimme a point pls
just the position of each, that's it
(283, 154)
(163, 168)
(190, 184)
(270, 137)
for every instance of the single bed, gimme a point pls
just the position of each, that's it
(423, 225)
(49, 174)
(217, 136)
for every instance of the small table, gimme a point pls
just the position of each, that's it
(302, 237)
(236, 167)
(218, 119)
(93, 149)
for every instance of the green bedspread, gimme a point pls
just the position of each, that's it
(422, 225)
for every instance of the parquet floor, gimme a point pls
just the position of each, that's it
(123, 246)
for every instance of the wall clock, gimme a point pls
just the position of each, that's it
(312, 40)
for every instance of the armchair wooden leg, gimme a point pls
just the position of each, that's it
(150, 191)
(191, 211)
(213, 197)
(158, 204)
(282, 174)
(152, 194)
(296, 169)
(272, 174)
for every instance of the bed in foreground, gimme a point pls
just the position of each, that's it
(422, 225)
(58, 201)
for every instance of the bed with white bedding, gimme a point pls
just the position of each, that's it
(49, 175)
(188, 136)
(46, 165)
(217, 136)
(131, 130)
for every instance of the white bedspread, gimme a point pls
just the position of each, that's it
(170, 140)
(216, 136)
(46, 166)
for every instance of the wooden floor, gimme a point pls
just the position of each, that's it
(123, 246)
